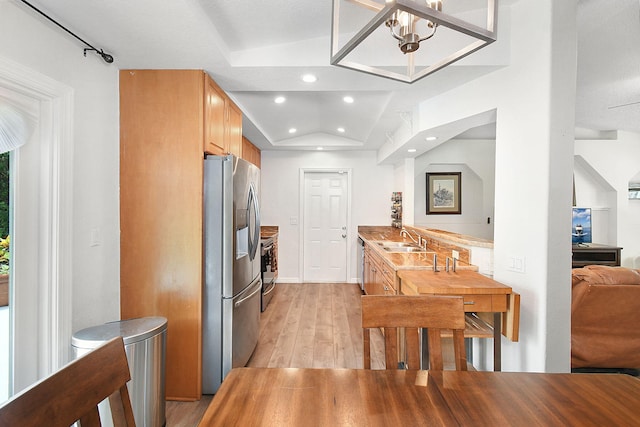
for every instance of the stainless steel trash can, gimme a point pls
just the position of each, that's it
(145, 344)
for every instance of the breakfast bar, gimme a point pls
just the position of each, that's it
(481, 294)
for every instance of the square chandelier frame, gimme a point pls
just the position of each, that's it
(484, 36)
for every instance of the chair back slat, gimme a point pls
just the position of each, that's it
(401, 316)
(73, 393)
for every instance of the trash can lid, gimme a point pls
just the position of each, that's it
(131, 331)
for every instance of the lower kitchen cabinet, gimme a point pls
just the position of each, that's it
(379, 277)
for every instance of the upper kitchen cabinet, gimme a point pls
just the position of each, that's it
(214, 106)
(250, 152)
(223, 121)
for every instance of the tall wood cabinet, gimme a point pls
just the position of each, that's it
(167, 120)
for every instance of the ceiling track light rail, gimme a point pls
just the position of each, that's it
(105, 56)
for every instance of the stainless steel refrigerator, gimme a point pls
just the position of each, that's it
(231, 296)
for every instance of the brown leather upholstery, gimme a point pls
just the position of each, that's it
(605, 317)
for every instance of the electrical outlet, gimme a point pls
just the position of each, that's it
(455, 254)
(95, 237)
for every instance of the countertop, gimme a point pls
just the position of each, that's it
(404, 261)
(267, 231)
(464, 282)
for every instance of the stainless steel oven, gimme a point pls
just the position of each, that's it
(269, 269)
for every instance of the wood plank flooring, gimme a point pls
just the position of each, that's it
(313, 325)
(310, 325)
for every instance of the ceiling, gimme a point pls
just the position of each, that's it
(257, 50)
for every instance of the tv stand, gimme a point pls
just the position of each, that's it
(593, 253)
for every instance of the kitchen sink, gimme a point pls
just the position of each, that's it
(397, 244)
(403, 247)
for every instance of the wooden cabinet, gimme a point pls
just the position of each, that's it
(379, 277)
(214, 105)
(162, 124)
(250, 152)
(233, 129)
(168, 119)
(223, 121)
(595, 254)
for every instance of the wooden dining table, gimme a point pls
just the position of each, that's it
(359, 397)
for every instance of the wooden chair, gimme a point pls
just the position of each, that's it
(394, 312)
(72, 393)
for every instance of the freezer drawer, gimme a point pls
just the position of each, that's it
(246, 323)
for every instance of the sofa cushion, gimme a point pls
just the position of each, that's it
(605, 275)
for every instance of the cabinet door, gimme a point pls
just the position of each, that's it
(233, 129)
(369, 275)
(250, 152)
(161, 125)
(215, 118)
(387, 276)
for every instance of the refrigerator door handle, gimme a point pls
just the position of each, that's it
(240, 301)
(254, 238)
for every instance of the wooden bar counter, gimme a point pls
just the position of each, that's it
(481, 294)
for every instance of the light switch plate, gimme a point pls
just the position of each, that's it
(516, 263)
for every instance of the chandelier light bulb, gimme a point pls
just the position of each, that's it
(408, 39)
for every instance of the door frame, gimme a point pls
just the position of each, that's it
(41, 308)
(303, 172)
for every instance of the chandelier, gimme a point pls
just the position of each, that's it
(384, 37)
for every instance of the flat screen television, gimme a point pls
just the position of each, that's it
(581, 226)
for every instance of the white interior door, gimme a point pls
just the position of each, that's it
(325, 226)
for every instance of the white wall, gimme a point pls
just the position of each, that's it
(476, 160)
(372, 186)
(534, 99)
(616, 162)
(29, 41)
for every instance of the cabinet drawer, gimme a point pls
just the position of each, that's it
(477, 303)
(485, 303)
(388, 275)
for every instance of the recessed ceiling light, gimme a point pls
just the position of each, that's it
(431, 138)
(412, 150)
(293, 130)
(341, 130)
(280, 99)
(319, 148)
(348, 99)
(309, 78)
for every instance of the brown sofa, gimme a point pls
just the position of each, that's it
(605, 317)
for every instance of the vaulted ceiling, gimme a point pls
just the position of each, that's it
(257, 50)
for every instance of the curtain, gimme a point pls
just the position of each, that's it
(16, 127)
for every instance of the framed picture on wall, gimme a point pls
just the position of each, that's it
(444, 194)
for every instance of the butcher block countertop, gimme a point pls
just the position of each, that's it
(461, 283)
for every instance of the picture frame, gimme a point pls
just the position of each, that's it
(444, 193)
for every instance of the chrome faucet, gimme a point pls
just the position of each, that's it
(405, 233)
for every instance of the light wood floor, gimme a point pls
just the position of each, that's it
(305, 326)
